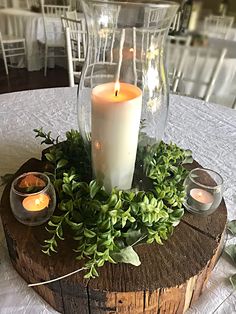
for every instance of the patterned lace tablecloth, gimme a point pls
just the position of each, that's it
(209, 130)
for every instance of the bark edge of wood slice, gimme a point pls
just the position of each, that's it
(170, 278)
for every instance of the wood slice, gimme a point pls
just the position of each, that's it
(170, 278)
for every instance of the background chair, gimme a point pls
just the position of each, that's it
(11, 47)
(199, 71)
(71, 15)
(54, 37)
(3, 4)
(175, 58)
(153, 17)
(32, 3)
(218, 26)
(76, 44)
(175, 25)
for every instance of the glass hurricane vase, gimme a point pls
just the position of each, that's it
(123, 91)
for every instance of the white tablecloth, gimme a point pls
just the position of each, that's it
(27, 24)
(208, 130)
(231, 34)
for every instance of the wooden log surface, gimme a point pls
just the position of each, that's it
(170, 278)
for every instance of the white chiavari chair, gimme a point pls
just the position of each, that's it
(32, 3)
(199, 71)
(104, 59)
(175, 25)
(218, 26)
(175, 51)
(3, 4)
(54, 36)
(76, 44)
(71, 15)
(11, 47)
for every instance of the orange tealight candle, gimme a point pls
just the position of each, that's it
(36, 202)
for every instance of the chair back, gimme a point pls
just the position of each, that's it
(33, 3)
(175, 57)
(50, 10)
(152, 17)
(3, 4)
(76, 45)
(71, 15)
(53, 30)
(78, 37)
(199, 71)
(176, 24)
(157, 18)
(218, 26)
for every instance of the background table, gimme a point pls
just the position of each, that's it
(27, 24)
(208, 130)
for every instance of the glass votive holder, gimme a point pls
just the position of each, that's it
(204, 189)
(32, 198)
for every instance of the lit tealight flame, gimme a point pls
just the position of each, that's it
(131, 50)
(97, 145)
(117, 88)
(36, 202)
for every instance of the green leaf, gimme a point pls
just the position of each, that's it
(113, 200)
(230, 250)
(232, 280)
(126, 255)
(231, 226)
(88, 275)
(61, 163)
(74, 225)
(50, 223)
(89, 233)
(188, 160)
(49, 157)
(94, 188)
(67, 189)
(56, 219)
(59, 232)
(132, 236)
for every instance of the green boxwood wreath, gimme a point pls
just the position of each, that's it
(106, 227)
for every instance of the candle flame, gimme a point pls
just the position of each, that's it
(97, 145)
(117, 88)
(37, 201)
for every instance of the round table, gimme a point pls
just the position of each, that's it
(27, 24)
(209, 130)
(23, 23)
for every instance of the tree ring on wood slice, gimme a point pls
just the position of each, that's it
(170, 278)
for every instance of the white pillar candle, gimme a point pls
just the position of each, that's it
(115, 129)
